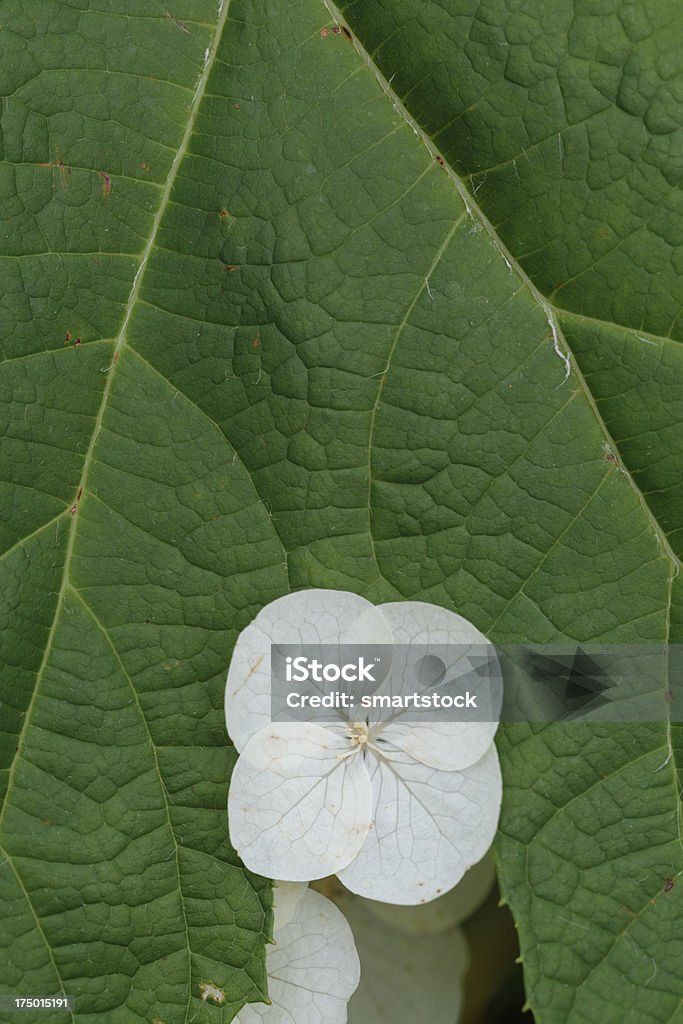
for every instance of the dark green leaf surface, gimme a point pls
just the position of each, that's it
(310, 357)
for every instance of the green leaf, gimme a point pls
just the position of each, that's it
(327, 293)
(561, 124)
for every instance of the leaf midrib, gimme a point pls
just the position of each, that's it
(557, 338)
(164, 792)
(39, 926)
(560, 346)
(120, 343)
(551, 312)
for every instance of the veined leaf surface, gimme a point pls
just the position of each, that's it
(395, 313)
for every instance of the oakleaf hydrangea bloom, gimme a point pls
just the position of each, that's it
(313, 966)
(398, 810)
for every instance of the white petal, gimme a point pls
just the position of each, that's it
(447, 911)
(441, 742)
(449, 746)
(286, 898)
(313, 968)
(304, 617)
(429, 827)
(405, 979)
(298, 808)
(418, 622)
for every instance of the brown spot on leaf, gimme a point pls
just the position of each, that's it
(74, 508)
(669, 885)
(212, 992)
(106, 183)
(59, 165)
(178, 24)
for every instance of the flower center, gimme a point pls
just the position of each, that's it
(359, 734)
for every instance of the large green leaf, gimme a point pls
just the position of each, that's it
(325, 291)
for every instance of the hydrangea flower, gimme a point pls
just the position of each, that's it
(313, 967)
(398, 810)
(413, 959)
(404, 977)
(447, 911)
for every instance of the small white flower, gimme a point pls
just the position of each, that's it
(313, 966)
(398, 810)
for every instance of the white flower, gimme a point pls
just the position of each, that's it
(413, 959)
(448, 911)
(398, 810)
(405, 978)
(313, 966)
